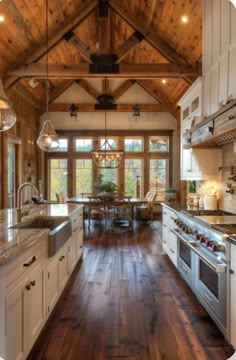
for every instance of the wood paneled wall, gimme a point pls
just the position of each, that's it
(24, 135)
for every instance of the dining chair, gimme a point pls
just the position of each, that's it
(122, 212)
(145, 211)
(61, 198)
(96, 208)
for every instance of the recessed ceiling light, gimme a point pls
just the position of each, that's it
(2, 18)
(163, 81)
(184, 19)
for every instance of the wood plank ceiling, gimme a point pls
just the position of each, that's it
(141, 41)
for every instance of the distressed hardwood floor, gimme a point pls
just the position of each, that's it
(126, 301)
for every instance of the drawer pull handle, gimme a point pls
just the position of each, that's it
(33, 283)
(30, 262)
(75, 229)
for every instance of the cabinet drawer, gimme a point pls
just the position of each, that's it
(77, 220)
(27, 260)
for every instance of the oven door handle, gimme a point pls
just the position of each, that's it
(218, 268)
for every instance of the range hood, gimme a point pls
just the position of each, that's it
(215, 130)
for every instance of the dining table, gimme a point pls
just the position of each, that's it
(86, 201)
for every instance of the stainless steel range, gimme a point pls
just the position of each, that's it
(203, 259)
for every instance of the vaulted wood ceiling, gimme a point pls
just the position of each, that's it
(136, 40)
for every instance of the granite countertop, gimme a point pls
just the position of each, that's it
(176, 206)
(14, 241)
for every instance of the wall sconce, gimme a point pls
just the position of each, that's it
(136, 111)
(73, 111)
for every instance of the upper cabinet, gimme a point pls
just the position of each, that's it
(219, 54)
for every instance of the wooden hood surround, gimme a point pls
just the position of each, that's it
(136, 41)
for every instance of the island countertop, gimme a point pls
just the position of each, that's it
(14, 241)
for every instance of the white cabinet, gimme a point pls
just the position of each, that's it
(225, 27)
(215, 31)
(214, 91)
(207, 94)
(169, 239)
(233, 296)
(25, 303)
(232, 73)
(207, 35)
(223, 79)
(77, 231)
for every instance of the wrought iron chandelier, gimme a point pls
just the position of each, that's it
(48, 139)
(74, 111)
(106, 156)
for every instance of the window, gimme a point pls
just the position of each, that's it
(133, 173)
(133, 144)
(63, 145)
(83, 144)
(112, 142)
(57, 177)
(158, 174)
(158, 143)
(83, 173)
(109, 174)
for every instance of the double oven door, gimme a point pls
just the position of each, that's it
(208, 282)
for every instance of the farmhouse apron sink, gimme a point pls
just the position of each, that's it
(60, 230)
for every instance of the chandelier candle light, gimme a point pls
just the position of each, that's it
(106, 156)
(48, 139)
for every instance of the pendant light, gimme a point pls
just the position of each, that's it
(106, 156)
(7, 113)
(48, 139)
(136, 111)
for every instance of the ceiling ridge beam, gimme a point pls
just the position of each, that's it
(75, 71)
(151, 37)
(82, 13)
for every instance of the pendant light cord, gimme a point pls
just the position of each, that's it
(47, 80)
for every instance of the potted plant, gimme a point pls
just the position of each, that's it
(104, 188)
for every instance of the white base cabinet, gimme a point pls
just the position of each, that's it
(30, 287)
(233, 295)
(169, 239)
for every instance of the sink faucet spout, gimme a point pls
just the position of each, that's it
(20, 213)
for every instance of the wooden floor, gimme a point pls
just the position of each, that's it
(126, 301)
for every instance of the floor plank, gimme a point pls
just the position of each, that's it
(126, 300)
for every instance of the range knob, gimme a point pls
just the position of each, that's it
(209, 243)
(218, 248)
(198, 236)
(203, 239)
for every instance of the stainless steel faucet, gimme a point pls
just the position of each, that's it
(21, 213)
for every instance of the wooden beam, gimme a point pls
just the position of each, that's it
(158, 43)
(128, 45)
(122, 88)
(119, 107)
(88, 88)
(72, 22)
(72, 71)
(104, 22)
(84, 50)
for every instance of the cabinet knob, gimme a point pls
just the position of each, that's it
(33, 283)
(28, 287)
(231, 272)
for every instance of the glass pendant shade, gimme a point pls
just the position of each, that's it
(7, 113)
(48, 139)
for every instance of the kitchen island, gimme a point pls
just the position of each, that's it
(31, 278)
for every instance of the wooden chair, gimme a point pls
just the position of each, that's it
(61, 198)
(145, 211)
(96, 208)
(122, 212)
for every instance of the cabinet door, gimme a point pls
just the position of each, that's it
(16, 321)
(207, 39)
(36, 306)
(190, 169)
(72, 252)
(232, 24)
(223, 79)
(232, 73)
(80, 241)
(207, 94)
(215, 31)
(173, 248)
(63, 269)
(214, 89)
(233, 295)
(225, 27)
(52, 284)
